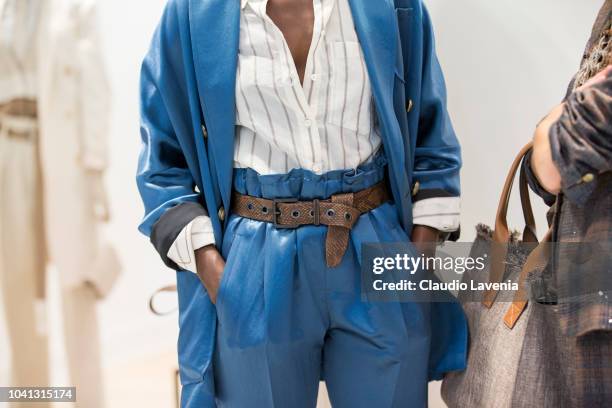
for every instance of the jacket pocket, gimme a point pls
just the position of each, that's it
(230, 266)
(197, 323)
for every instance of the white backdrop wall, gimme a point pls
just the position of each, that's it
(507, 62)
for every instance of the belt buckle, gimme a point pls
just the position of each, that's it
(276, 211)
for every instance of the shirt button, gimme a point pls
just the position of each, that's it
(323, 32)
(587, 178)
(316, 168)
(313, 77)
(308, 122)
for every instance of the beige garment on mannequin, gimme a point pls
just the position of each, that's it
(83, 345)
(22, 259)
(22, 252)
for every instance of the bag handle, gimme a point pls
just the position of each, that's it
(501, 234)
(529, 232)
(538, 258)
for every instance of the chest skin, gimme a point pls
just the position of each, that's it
(295, 19)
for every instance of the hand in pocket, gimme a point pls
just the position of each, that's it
(210, 265)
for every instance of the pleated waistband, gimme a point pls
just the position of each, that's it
(304, 184)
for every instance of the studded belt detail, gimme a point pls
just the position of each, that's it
(339, 213)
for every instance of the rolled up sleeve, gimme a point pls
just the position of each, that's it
(195, 235)
(437, 161)
(581, 140)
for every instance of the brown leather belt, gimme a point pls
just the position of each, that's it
(20, 107)
(339, 213)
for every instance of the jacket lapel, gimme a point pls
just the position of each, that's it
(376, 26)
(215, 29)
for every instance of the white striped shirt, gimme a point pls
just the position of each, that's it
(327, 123)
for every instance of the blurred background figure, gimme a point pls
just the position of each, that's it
(54, 106)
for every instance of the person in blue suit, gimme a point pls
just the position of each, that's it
(278, 137)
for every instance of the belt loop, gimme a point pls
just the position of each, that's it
(316, 212)
(337, 238)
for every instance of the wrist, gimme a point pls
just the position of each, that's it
(542, 164)
(425, 233)
(206, 249)
(206, 257)
(425, 239)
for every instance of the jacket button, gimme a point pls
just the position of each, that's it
(204, 132)
(409, 105)
(587, 178)
(416, 188)
(221, 214)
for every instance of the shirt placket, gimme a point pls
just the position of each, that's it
(318, 74)
(311, 85)
(309, 138)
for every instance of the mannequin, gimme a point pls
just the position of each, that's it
(53, 126)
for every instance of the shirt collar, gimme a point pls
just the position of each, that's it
(254, 3)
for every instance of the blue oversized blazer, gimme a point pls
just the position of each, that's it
(188, 118)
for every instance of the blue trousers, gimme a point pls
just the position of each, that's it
(286, 320)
